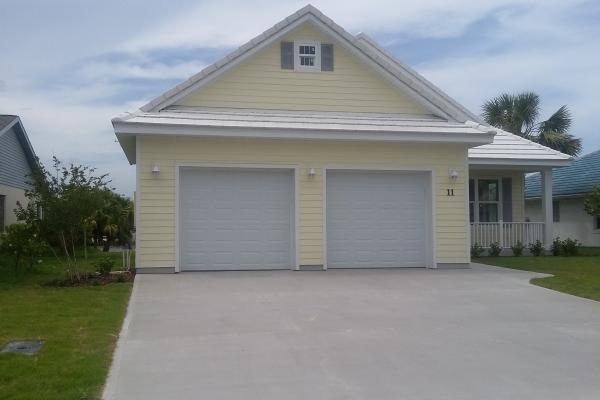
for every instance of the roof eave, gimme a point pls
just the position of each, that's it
(521, 163)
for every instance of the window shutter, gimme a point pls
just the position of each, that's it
(326, 57)
(287, 55)
(507, 215)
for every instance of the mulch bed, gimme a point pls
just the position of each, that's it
(94, 279)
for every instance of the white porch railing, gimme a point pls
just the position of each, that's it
(506, 234)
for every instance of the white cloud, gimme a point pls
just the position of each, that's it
(233, 22)
(138, 70)
(72, 131)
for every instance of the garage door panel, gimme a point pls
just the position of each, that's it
(376, 219)
(236, 219)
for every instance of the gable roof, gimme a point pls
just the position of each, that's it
(454, 122)
(13, 121)
(576, 179)
(409, 81)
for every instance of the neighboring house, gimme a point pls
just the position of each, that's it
(16, 161)
(570, 185)
(311, 147)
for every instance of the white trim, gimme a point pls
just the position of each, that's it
(136, 212)
(430, 250)
(317, 56)
(467, 206)
(124, 129)
(294, 261)
(518, 163)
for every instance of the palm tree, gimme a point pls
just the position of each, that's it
(519, 114)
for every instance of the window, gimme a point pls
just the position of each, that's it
(487, 192)
(489, 201)
(308, 56)
(597, 222)
(556, 211)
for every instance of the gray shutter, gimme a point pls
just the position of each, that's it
(287, 55)
(507, 212)
(326, 57)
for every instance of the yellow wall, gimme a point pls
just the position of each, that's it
(156, 195)
(517, 188)
(13, 195)
(261, 83)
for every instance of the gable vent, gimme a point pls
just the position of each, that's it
(287, 55)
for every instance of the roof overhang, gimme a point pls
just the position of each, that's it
(528, 165)
(127, 131)
(19, 129)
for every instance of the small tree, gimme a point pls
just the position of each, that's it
(591, 202)
(60, 203)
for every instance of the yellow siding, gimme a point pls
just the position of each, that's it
(261, 83)
(517, 188)
(156, 223)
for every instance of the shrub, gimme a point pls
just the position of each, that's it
(20, 241)
(557, 247)
(104, 265)
(537, 248)
(570, 247)
(495, 249)
(476, 250)
(518, 248)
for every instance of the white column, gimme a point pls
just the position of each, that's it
(546, 177)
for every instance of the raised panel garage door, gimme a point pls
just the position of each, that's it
(376, 219)
(236, 219)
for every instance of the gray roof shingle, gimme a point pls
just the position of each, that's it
(5, 120)
(577, 178)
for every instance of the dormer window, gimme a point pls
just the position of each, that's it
(307, 55)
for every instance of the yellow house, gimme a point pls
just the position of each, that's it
(309, 147)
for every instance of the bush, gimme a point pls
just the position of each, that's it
(495, 249)
(557, 247)
(104, 265)
(537, 248)
(570, 247)
(476, 250)
(20, 241)
(518, 248)
(567, 247)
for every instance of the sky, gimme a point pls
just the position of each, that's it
(68, 66)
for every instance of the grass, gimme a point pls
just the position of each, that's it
(79, 326)
(579, 276)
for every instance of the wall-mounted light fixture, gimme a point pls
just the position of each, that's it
(311, 172)
(155, 170)
(453, 174)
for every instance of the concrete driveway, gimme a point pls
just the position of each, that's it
(481, 333)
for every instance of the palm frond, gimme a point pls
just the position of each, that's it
(563, 142)
(559, 122)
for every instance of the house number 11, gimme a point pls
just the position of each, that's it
(450, 192)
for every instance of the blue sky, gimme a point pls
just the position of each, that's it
(69, 66)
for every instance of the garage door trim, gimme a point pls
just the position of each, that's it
(295, 222)
(430, 224)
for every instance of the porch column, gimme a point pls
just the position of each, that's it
(546, 178)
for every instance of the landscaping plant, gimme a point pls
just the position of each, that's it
(518, 248)
(537, 248)
(21, 242)
(557, 247)
(476, 250)
(495, 249)
(570, 247)
(60, 202)
(104, 265)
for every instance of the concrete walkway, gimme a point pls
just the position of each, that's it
(481, 333)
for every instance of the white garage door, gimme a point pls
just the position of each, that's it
(236, 219)
(376, 219)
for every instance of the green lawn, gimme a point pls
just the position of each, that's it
(579, 276)
(79, 327)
